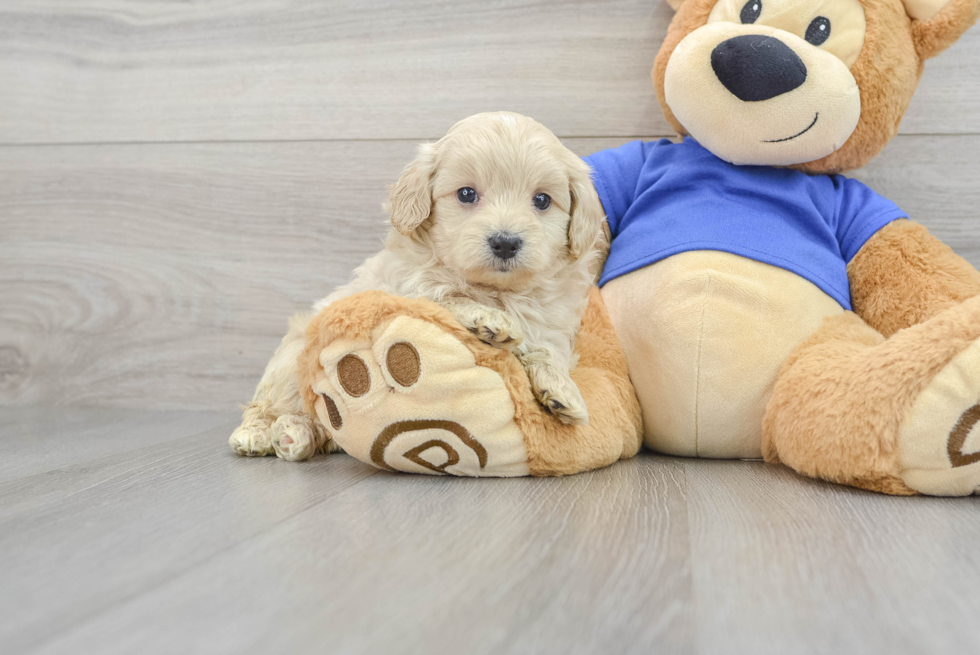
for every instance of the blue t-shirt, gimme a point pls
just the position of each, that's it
(666, 198)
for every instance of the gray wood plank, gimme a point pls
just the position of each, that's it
(786, 565)
(397, 563)
(948, 98)
(37, 439)
(127, 70)
(161, 276)
(935, 181)
(81, 539)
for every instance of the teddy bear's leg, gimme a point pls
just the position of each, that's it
(892, 415)
(398, 391)
(403, 386)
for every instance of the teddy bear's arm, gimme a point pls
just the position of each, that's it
(903, 276)
(400, 384)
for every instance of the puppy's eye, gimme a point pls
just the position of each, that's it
(751, 11)
(542, 201)
(819, 31)
(467, 195)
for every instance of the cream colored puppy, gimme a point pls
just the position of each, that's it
(497, 222)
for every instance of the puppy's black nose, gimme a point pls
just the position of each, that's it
(755, 67)
(505, 246)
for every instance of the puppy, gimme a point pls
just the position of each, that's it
(497, 222)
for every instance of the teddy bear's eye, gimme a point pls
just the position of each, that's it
(819, 31)
(751, 11)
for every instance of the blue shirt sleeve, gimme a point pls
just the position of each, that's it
(615, 173)
(860, 214)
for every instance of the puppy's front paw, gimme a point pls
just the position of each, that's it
(559, 395)
(568, 410)
(491, 325)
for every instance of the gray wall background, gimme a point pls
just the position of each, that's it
(177, 178)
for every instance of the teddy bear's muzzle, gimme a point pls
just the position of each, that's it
(755, 67)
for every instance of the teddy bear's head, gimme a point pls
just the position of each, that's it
(817, 85)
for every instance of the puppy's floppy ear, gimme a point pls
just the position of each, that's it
(410, 198)
(937, 24)
(585, 229)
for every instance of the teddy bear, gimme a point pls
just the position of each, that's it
(755, 302)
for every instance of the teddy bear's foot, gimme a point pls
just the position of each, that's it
(409, 397)
(897, 415)
(939, 443)
(400, 384)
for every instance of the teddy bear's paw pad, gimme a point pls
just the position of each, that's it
(411, 398)
(939, 443)
(296, 438)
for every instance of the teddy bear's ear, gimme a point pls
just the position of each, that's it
(937, 24)
(924, 9)
(675, 4)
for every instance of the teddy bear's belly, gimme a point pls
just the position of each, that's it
(705, 334)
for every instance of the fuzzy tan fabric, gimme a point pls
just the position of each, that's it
(549, 446)
(933, 36)
(904, 276)
(838, 406)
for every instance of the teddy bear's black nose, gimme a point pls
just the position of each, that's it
(755, 67)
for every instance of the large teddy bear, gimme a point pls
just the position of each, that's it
(754, 304)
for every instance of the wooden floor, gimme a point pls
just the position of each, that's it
(176, 178)
(140, 532)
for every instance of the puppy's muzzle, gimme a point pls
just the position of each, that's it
(505, 246)
(756, 68)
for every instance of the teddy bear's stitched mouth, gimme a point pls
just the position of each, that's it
(790, 138)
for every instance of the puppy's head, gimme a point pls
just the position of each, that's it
(500, 201)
